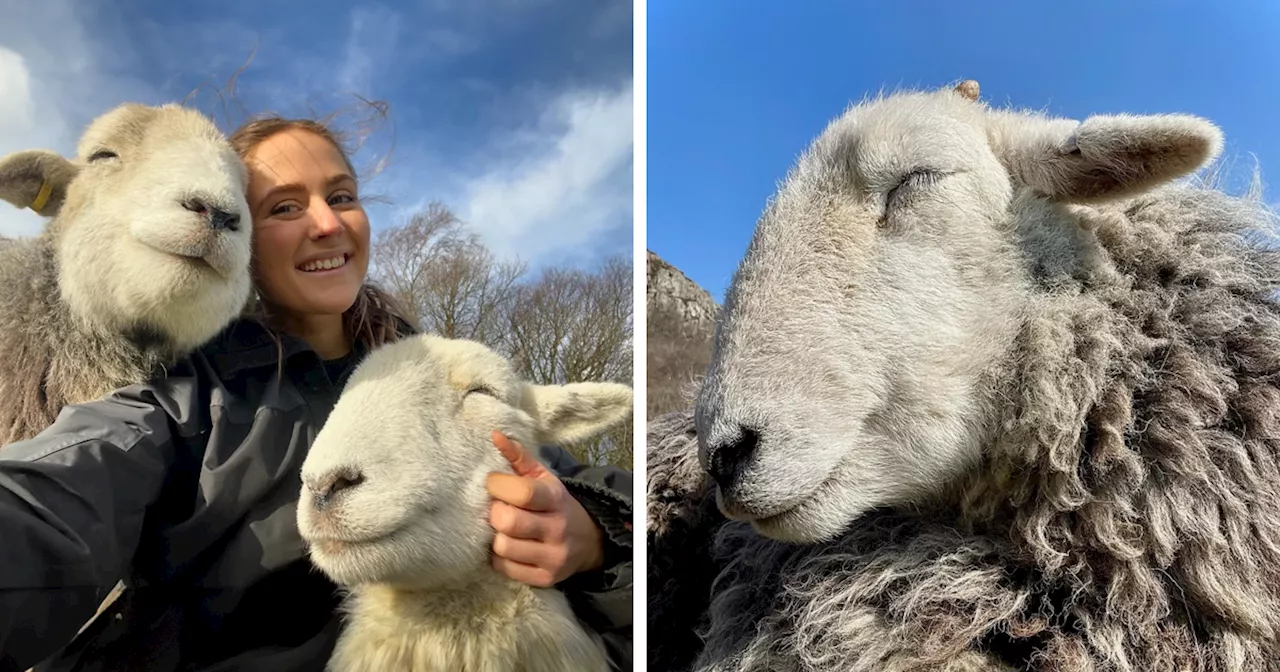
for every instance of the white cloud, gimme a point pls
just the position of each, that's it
(15, 93)
(562, 195)
(55, 76)
(17, 121)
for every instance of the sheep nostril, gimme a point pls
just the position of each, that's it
(329, 487)
(217, 218)
(727, 459)
(195, 205)
(220, 220)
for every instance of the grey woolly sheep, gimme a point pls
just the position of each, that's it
(990, 391)
(145, 259)
(394, 508)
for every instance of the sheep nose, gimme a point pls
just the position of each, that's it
(728, 454)
(328, 486)
(219, 219)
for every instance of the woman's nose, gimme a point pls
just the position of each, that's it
(324, 221)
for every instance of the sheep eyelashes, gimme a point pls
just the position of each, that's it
(121, 258)
(1043, 427)
(394, 508)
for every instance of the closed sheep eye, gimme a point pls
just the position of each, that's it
(482, 389)
(916, 178)
(103, 155)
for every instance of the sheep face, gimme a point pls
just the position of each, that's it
(395, 481)
(868, 330)
(151, 226)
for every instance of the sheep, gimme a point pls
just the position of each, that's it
(394, 509)
(990, 390)
(145, 259)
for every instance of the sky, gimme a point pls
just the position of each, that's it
(736, 90)
(517, 114)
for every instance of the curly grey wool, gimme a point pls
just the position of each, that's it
(1123, 513)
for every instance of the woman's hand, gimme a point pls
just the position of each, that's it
(544, 536)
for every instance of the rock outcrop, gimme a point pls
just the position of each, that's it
(681, 321)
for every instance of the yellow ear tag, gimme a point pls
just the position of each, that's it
(42, 198)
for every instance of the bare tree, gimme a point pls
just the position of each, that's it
(446, 277)
(571, 325)
(566, 325)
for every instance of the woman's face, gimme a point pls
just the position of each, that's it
(310, 234)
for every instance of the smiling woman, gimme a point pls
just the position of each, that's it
(311, 235)
(187, 487)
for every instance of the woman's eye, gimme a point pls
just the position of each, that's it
(339, 199)
(282, 208)
(102, 155)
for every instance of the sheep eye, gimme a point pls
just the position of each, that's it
(482, 389)
(102, 155)
(916, 178)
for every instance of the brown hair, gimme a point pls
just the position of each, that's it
(375, 318)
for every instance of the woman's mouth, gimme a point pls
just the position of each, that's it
(329, 264)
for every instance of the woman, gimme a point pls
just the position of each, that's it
(189, 485)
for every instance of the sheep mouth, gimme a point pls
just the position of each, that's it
(779, 521)
(197, 261)
(202, 257)
(737, 507)
(337, 543)
(734, 509)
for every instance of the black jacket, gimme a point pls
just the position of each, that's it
(187, 488)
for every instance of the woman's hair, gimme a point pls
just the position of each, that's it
(375, 318)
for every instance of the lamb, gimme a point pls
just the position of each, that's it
(145, 259)
(394, 508)
(990, 391)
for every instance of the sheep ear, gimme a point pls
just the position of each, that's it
(36, 179)
(577, 411)
(1106, 157)
(968, 89)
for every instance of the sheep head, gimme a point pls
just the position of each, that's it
(150, 225)
(867, 334)
(394, 484)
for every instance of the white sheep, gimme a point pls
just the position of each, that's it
(146, 258)
(394, 507)
(991, 390)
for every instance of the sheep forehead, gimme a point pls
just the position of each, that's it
(466, 364)
(882, 138)
(418, 380)
(132, 126)
(429, 370)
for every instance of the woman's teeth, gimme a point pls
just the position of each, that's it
(324, 264)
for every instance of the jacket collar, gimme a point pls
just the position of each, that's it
(248, 344)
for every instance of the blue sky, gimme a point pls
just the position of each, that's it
(515, 113)
(736, 90)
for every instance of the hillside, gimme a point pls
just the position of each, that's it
(681, 322)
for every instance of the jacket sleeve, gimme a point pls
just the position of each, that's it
(603, 598)
(72, 504)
